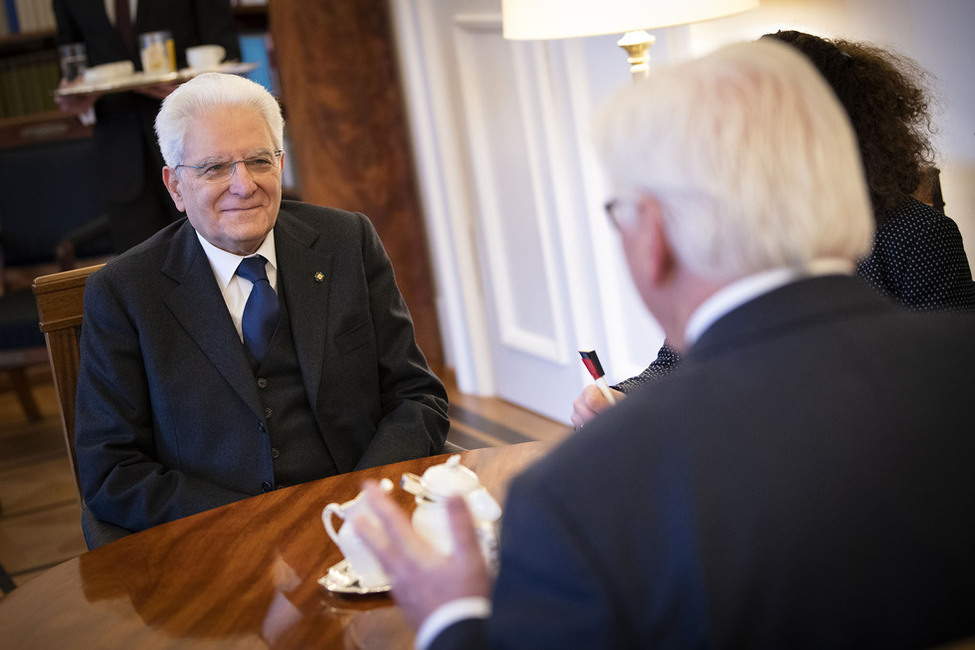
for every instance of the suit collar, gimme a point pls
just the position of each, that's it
(749, 287)
(224, 263)
(791, 306)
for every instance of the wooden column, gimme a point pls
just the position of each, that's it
(345, 113)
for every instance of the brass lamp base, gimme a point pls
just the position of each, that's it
(637, 46)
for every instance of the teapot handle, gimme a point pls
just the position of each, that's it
(330, 509)
(347, 508)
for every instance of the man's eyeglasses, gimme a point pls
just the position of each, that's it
(214, 172)
(621, 212)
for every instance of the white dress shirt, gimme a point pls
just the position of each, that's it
(234, 288)
(110, 10)
(752, 286)
(449, 613)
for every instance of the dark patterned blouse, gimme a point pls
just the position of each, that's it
(918, 259)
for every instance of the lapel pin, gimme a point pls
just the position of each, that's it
(319, 276)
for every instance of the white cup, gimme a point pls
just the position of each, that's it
(107, 72)
(205, 57)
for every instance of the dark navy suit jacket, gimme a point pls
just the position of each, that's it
(804, 480)
(169, 421)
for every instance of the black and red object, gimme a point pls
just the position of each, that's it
(591, 360)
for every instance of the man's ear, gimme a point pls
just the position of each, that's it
(660, 258)
(172, 182)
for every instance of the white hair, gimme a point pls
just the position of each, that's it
(204, 93)
(750, 156)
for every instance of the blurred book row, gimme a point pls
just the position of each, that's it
(26, 16)
(27, 83)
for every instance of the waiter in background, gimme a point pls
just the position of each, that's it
(127, 157)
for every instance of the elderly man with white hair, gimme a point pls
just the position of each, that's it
(805, 481)
(255, 344)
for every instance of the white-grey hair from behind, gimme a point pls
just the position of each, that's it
(750, 156)
(204, 93)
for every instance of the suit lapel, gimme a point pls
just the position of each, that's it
(304, 270)
(198, 305)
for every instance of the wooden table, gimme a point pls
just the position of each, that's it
(241, 576)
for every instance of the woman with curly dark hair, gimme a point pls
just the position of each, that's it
(918, 258)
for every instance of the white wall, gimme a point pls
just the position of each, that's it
(540, 96)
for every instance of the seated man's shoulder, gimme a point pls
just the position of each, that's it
(333, 227)
(318, 216)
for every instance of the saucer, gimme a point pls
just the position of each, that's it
(342, 579)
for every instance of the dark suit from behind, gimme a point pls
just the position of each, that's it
(805, 481)
(170, 420)
(127, 157)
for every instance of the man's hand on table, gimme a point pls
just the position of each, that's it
(422, 578)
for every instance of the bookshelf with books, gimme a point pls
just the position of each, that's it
(28, 76)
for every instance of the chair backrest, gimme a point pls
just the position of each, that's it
(60, 308)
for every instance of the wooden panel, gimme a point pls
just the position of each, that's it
(344, 108)
(60, 307)
(64, 367)
(59, 298)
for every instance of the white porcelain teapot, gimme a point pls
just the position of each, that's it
(432, 490)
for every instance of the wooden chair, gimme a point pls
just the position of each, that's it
(929, 191)
(60, 307)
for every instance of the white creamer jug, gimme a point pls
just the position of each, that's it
(360, 558)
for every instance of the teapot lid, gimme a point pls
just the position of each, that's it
(448, 479)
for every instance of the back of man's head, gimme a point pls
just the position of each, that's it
(750, 156)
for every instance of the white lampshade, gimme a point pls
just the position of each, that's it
(544, 19)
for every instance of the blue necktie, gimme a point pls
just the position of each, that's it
(261, 310)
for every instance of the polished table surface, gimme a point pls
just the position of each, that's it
(242, 576)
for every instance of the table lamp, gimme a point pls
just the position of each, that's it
(545, 19)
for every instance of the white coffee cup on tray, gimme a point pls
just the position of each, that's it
(205, 57)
